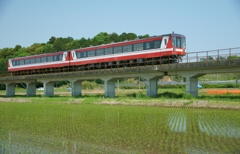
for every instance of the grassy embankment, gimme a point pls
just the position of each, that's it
(166, 97)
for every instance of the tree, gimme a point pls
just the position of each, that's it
(62, 44)
(32, 49)
(114, 37)
(143, 36)
(101, 38)
(3, 65)
(84, 42)
(131, 36)
(6, 53)
(47, 48)
(233, 57)
(75, 44)
(51, 40)
(21, 53)
(17, 47)
(123, 36)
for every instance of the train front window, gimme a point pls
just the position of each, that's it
(178, 42)
(183, 42)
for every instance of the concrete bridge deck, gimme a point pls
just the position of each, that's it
(192, 66)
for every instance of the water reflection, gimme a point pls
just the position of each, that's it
(177, 122)
(218, 127)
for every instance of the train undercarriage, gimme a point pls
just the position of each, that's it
(104, 65)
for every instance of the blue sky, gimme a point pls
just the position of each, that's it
(207, 24)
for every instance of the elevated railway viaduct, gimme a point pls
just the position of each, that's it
(192, 66)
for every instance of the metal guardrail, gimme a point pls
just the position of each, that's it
(212, 55)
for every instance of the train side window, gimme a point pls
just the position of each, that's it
(117, 50)
(50, 58)
(108, 51)
(78, 54)
(32, 61)
(157, 44)
(26, 61)
(91, 53)
(14, 63)
(38, 60)
(17, 62)
(127, 48)
(43, 59)
(100, 52)
(84, 54)
(21, 62)
(147, 45)
(55, 58)
(60, 57)
(138, 47)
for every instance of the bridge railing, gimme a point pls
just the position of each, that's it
(212, 55)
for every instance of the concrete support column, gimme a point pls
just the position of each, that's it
(151, 85)
(76, 87)
(31, 88)
(48, 88)
(192, 83)
(109, 87)
(10, 89)
(192, 86)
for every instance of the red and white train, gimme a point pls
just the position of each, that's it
(161, 49)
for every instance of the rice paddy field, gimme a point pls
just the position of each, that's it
(49, 126)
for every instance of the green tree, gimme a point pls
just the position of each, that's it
(6, 53)
(32, 49)
(123, 36)
(21, 53)
(84, 42)
(233, 57)
(101, 38)
(114, 37)
(62, 44)
(143, 36)
(51, 40)
(3, 65)
(131, 36)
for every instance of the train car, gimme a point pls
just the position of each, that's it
(36, 63)
(161, 49)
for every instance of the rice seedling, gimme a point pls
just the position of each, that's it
(92, 128)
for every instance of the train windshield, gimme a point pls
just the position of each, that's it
(179, 42)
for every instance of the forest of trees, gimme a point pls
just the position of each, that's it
(61, 44)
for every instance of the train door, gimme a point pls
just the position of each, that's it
(164, 42)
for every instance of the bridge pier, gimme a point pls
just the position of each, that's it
(192, 83)
(10, 89)
(109, 87)
(76, 87)
(31, 88)
(151, 85)
(48, 88)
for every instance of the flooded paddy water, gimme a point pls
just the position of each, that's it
(88, 128)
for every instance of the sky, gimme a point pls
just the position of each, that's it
(207, 24)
